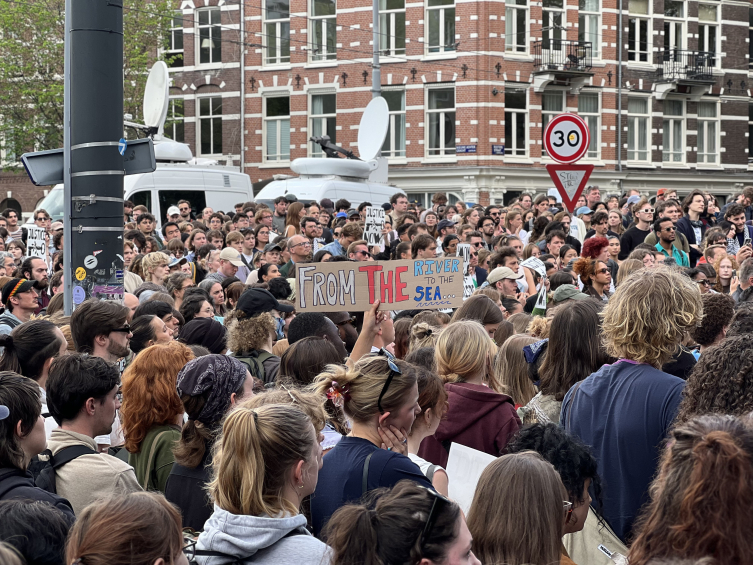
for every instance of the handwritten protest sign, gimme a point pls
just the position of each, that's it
(372, 231)
(35, 244)
(400, 285)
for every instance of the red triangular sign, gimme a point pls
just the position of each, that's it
(570, 181)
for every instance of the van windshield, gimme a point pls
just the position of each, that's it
(53, 203)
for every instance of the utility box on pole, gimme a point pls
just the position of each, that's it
(94, 229)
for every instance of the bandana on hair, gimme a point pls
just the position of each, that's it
(221, 375)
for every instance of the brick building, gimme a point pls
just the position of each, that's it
(471, 86)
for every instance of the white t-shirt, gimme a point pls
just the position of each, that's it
(423, 464)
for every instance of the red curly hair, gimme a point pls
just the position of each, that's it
(150, 397)
(593, 246)
(702, 497)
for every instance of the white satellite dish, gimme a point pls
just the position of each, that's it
(373, 129)
(156, 96)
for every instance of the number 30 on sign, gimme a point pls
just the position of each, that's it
(566, 138)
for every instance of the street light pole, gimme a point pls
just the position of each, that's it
(376, 74)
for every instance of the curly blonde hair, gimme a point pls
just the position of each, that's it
(648, 315)
(247, 334)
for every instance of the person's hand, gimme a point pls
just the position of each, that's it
(393, 439)
(734, 284)
(372, 320)
(522, 297)
(745, 252)
(731, 233)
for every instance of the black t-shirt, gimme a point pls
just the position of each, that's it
(631, 239)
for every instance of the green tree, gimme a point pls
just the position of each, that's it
(32, 62)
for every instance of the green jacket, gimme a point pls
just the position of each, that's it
(288, 270)
(155, 457)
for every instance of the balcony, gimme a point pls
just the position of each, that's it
(562, 62)
(684, 72)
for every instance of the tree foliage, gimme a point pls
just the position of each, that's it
(32, 63)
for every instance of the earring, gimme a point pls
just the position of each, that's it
(300, 486)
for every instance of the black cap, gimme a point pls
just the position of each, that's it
(291, 198)
(256, 301)
(14, 287)
(271, 247)
(386, 206)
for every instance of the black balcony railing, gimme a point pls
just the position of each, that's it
(678, 64)
(562, 55)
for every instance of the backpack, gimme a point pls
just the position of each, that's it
(254, 360)
(44, 471)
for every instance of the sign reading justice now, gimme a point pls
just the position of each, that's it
(400, 285)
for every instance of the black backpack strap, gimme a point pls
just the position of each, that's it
(69, 454)
(365, 478)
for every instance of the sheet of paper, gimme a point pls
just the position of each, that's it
(464, 468)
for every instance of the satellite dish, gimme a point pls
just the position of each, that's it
(156, 96)
(373, 129)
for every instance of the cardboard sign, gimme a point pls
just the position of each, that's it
(372, 231)
(400, 285)
(35, 244)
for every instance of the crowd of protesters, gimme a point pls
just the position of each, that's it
(205, 420)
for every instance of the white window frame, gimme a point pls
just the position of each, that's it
(636, 20)
(267, 122)
(441, 152)
(315, 150)
(514, 115)
(394, 116)
(675, 24)
(446, 44)
(516, 40)
(547, 31)
(704, 27)
(173, 119)
(708, 128)
(201, 122)
(218, 46)
(325, 24)
(633, 131)
(592, 19)
(750, 39)
(750, 133)
(547, 115)
(174, 31)
(388, 29)
(672, 156)
(593, 120)
(277, 37)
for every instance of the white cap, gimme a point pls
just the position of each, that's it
(173, 211)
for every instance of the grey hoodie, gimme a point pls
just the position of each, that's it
(259, 539)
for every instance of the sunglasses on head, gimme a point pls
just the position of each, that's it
(437, 505)
(394, 370)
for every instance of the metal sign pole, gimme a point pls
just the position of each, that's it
(68, 277)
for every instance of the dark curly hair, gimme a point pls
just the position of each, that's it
(570, 457)
(742, 321)
(593, 246)
(718, 310)
(721, 382)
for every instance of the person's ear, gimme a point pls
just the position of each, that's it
(48, 363)
(90, 406)
(159, 561)
(19, 430)
(383, 418)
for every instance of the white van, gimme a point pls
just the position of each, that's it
(218, 187)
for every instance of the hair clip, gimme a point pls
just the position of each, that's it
(338, 394)
(4, 412)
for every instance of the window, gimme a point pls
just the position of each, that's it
(551, 28)
(277, 32)
(588, 109)
(552, 103)
(708, 31)
(516, 27)
(674, 25)
(750, 133)
(638, 120)
(277, 128)
(750, 38)
(323, 120)
(323, 31)
(708, 151)
(175, 41)
(441, 17)
(210, 36)
(210, 125)
(589, 24)
(638, 20)
(441, 118)
(515, 123)
(394, 143)
(672, 133)
(175, 119)
(392, 27)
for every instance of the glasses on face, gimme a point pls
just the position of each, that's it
(262, 232)
(670, 228)
(647, 211)
(267, 217)
(304, 243)
(363, 253)
(436, 507)
(351, 321)
(477, 244)
(394, 370)
(488, 225)
(704, 282)
(494, 214)
(603, 271)
(125, 329)
(183, 209)
(42, 219)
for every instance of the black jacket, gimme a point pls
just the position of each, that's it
(684, 227)
(186, 489)
(19, 484)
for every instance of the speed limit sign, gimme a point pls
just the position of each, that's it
(566, 138)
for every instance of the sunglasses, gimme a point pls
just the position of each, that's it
(647, 211)
(671, 228)
(125, 329)
(394, 370)
(477, 244)
(436, 507)
(603, 271)
(704, 282)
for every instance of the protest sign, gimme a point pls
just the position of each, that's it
(35, 243)
(399, 285)
(464, 251)
(464, 468)
(372, 231)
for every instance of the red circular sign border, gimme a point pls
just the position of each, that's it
(581, 124)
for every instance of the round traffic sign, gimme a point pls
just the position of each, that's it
(566, 138)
